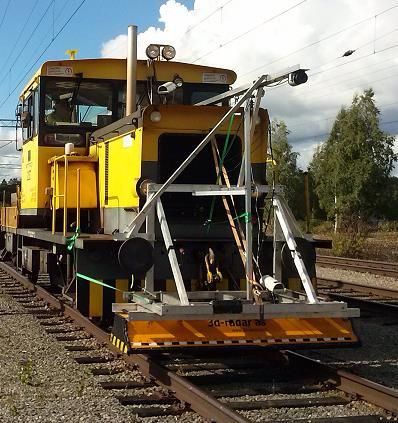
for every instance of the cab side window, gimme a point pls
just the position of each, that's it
(29, 120)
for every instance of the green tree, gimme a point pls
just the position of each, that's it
(353, 166)
(284, 169)
(389, 203)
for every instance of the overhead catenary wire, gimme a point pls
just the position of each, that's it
(8, 143)
(192, 27)
(358, 48)
(29, 38)
(334, 34)
(189, 29)
(308, 93)
(24, 26)
(4, 13)
(313, 83)
(356, 59)
(43, 52)
(249, 30)
(41, 42)
(374, 81)
(326, 134)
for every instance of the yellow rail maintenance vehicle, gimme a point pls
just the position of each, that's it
(142, 184)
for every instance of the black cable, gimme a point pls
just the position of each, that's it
(27, 41)
(207, 17)
(5, 145)
(20, 34)
(319, 41)
(5, 13)
(250, 30)
(44, 51)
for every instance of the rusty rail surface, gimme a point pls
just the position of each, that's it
(383, 301)
(351, 384)
(200, 401)
(359, 287)
(383, 268)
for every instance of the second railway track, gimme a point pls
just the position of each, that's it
(383, 268)
(378, 300)
(218, 387)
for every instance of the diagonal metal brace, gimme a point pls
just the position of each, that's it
(298, 261)
(175, 267)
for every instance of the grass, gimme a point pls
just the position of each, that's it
(26, 372)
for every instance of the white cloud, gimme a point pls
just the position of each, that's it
(204, 32)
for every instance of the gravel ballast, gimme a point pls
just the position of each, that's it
(40, 382)
(377, 358)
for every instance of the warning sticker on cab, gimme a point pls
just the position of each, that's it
(59, 71)
(214, 78)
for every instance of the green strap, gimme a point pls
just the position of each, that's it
(220, 166)
(87, 278)
(246, 216)
(71, 240)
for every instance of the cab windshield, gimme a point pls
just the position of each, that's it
(79, 102)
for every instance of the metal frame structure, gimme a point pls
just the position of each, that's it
(150, 305)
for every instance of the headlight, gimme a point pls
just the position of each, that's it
(168, 52)
(155, 116)
(152, 51)
(178, 81)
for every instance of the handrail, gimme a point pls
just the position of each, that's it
(55, 160)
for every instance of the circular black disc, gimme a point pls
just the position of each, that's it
(136, 256)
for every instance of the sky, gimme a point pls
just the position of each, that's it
(252, 37)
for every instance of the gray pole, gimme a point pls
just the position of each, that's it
(131, 104)
(248, 200)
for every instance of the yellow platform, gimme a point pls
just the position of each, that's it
(283, 332)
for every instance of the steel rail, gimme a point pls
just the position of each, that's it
(359, 287)
(200, 401)
(373, 299)
(351, 384)
(383, 268)
(371, 305)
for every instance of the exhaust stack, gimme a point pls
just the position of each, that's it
(131, 104)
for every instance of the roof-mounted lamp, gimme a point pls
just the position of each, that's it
(154, 51)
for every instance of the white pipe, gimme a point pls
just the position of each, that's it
(131, 104)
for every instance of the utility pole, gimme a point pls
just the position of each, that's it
(307, 203)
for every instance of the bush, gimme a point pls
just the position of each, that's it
(322, 227)
(348, 244)
(388, 226)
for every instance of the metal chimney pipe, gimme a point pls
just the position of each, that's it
(131, 104)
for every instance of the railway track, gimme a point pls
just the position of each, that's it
(374, 299)
(383, 268)
(217, 387)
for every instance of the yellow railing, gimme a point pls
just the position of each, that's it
(55, 196)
